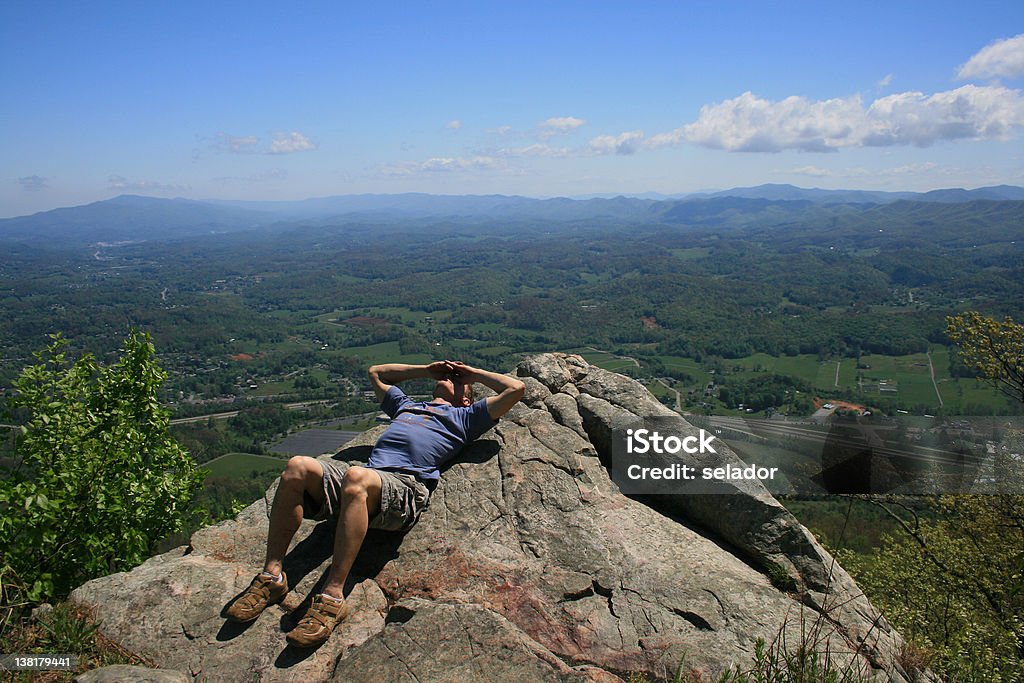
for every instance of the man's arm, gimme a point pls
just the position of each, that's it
(509, 389)
(382, 377)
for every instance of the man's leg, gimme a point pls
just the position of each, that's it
(360, 502)
(302, 475)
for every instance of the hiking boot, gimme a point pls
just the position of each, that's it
(321, 618)
(261, 593)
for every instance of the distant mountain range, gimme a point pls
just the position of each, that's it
(791, 193)
(135, 218)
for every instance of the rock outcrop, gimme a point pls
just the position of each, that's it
(528, 565)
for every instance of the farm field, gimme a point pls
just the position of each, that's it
(288, 385)
(385, 352)
(804, 367)
(687, 365)
(242, 465)
(910, 375)
(404, 315)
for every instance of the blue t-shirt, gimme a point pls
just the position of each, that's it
(424, 436)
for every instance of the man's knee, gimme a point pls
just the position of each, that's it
(363, 485)
(301, 472)
(358, 481)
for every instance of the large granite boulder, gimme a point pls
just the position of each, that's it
(528, 565)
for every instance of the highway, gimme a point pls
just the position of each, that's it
(766, 429)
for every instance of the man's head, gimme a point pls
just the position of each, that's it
(454, 392)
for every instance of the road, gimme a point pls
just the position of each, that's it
(931, 369)
(782, 429)
(232, 413)
(200, 418)
(679, 402)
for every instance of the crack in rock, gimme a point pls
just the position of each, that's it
(695, 619)
(721, 606)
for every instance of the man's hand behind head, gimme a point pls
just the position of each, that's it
(464, 373)
(509, 390)
(442, 369)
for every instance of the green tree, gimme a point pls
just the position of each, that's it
(954, 585)
(955, 582)
(993, 348)
(98, 480)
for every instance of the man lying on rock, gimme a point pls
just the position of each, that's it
(388, 493)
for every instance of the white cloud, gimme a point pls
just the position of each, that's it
(443, 164)
(34, 183)
(750, 124)
(282, 143)
(454, 124)
(1001, 59)
(537, 149)
(287, 143)
(502, 130)
(859, 172)
(673, 137)
(885, 82)
(542, 131)
(259, 177)
(558, 125)
(239, 144)
(969, 112)
(623, 143)
(118, 182)
(909, 169)
(812, 171)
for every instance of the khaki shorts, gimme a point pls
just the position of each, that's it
(402, 498)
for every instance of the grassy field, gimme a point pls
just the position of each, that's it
(687, 365)
(909, 374)
(288, 385)
(405, 315)
(385, 352)
(805, 367)
(495, 350)
(661, 391)
(241, 465)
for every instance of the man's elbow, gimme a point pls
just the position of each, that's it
(518, 389)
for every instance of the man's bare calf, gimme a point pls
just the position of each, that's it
(301, 475)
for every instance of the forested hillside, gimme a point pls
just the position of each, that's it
(298, 309)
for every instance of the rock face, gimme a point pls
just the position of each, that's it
(528, 565)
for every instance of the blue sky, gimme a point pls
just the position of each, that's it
(277, 101)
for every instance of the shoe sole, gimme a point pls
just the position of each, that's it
(251, 619)
(314, 643)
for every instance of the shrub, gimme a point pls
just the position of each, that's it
(97, 479)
